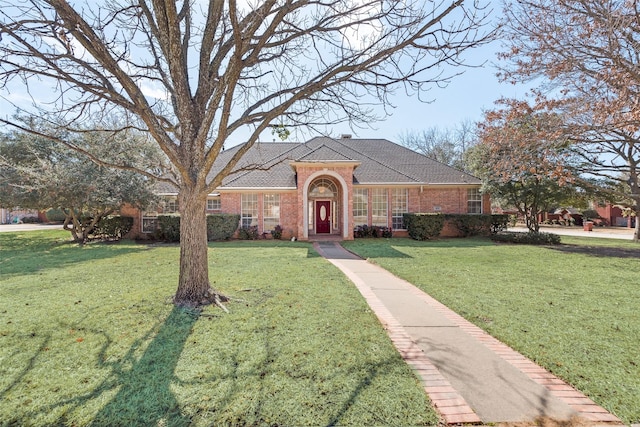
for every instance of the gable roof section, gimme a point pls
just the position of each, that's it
(323, 153)
(386, 162)
(267, 164)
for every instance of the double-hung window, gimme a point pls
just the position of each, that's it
(149, 221)
(271, 211)
(399, 206)
(379, 208)
(249, 214)
(214, 204)
(360, 205)
(474, 201)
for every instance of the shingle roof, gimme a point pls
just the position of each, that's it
(267, 164)
(323, 153)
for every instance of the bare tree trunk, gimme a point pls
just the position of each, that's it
(194, 288)
(636, 232)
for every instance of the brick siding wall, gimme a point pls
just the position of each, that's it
(425, 199)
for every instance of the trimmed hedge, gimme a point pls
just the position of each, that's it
(222, 226)
(55, 215)
(30, 220)
(529, 238)
(372, 231)
(219, 227)
(423, 226)
(470, 225)
(168, 228)
(113, 227)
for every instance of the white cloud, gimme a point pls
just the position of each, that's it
(156, 91)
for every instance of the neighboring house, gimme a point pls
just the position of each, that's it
(16, 215)
(567, 215)
(614, 215)
(327, 186)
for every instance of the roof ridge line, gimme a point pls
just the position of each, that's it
(294, 145)
(433, 160)
(377, 161)
(327, 147)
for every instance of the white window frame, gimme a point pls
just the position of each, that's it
(149, 222)
(399, 206)
(211, 206)
(270, 211)
(360, 206)
(474, 201)
(249, 210)
(170, 205)
(379, 207)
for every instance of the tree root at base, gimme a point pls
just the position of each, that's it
(210, 297)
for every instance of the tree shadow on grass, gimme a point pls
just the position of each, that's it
(29, 253)
(139, 386)
(393, 248)
(145, 397)
(598, 251)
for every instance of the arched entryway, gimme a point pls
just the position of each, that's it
(324, 210)
(325, 203)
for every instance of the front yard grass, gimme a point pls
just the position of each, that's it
(88, 337)
(572, 308)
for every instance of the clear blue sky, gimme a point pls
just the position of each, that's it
(466, 97)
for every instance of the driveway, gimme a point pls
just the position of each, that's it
(28, 227)
(603, 232)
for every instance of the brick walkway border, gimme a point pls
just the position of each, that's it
(451, 406)
(585, 407)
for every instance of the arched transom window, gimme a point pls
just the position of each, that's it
(323, 188)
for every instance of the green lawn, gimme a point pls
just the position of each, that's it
(87, 337)
(572, 308)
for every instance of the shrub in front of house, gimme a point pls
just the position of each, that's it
(168, 228)
(499, 223)
(423, 226)
(55, 215)
(30, 220)
(222, 226)
(248, 233)
(277, 232)
(219, 227)
(362, 231)
(527, 238)
(113, 227)
(470, 225)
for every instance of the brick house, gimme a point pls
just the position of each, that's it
(327, 186)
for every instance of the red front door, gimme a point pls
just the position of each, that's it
(323, 217)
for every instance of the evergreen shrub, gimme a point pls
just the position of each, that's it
(221, 226)
(529, 238)
(113, 227)
(423, 226)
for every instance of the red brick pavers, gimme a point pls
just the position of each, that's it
(447, 401)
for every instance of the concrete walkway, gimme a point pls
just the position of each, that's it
(469, 376)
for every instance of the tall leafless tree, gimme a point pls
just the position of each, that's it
(446, 145)
(226, 67)
(586, 55)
